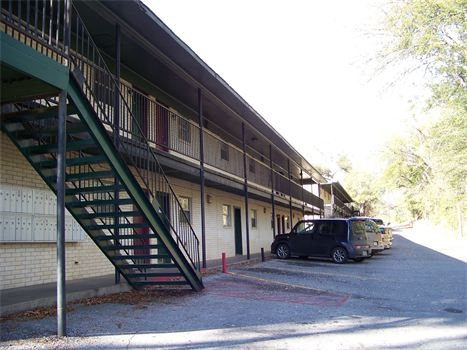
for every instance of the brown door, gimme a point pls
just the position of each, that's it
(162, 128)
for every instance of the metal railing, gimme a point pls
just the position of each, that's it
(40, 24)
(143, 118)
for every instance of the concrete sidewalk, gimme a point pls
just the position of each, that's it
(31, 297)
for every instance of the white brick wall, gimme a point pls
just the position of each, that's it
(23, 264)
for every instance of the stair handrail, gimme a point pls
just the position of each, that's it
(53, 39)
(109, 87)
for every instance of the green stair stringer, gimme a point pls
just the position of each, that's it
(98, 132)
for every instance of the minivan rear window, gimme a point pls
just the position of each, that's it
(358, 229)
(340, 229)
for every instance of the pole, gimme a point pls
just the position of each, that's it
(116, 136)
(245, 191)
(61, 291)
(201, 177)
(60, 186)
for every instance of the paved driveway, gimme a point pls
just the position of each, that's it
(411, 296)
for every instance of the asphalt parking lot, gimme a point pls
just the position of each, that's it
(411, 296)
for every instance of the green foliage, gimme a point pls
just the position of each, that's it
(429, 165)
(363, 187)
(434, 33)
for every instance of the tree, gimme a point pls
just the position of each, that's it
(433, 33)
(430, 164)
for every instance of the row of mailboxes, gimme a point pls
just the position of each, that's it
(29, 214)
(27, 200)
(37, 228)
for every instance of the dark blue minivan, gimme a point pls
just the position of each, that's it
(336, 238)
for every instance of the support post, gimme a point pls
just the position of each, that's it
(116, 132)
(303, 195)
(60, 186)
(245, 193)
(201, 177)
(289, 175)
(224, 263)
(273, 220)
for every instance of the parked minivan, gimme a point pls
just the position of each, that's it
(374, 235)
(336, 238)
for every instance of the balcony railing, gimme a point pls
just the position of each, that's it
(142, 121)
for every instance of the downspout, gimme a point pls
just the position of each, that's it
(201, 177)
(245, 191)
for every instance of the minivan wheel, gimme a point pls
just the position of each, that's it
(339, 255)
(283, 251)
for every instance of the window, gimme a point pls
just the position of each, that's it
(185, 210)
(226, 215)
(253, 218)
(224, 151)
(184, 130)
(304, 227)
(252, 166)
(286, 223)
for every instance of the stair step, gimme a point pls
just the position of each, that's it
(90, 175)
(99, 202)
(122, 237)
(109, 214)
(39, 113)
(95, 189)
(52, 163)
(135, 246)
(71, 128)
(51, 148)
(112, 226)
(154, 274)
(159, 283)
(151, 266)
(145, 256)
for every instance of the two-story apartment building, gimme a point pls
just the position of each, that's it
(149, 162)
(337, 202)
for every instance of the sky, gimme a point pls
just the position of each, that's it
(306, 66)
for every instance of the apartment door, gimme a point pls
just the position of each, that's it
(238, 231)
(162, 127)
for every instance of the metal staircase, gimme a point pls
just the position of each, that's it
(115, 187)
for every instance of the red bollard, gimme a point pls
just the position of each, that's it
(224, 264)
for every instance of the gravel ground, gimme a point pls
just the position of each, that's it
(386, 302)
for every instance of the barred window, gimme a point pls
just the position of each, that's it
(226, 215)
(185, 209)
(253, 218)
(184, 130)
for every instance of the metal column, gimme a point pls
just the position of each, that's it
(61, 288)
(289, 175)
(116, 133)
(60, 186)
(201, 177)
(245, 193)
(273, 221)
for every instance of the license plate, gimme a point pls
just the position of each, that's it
(364, 253)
